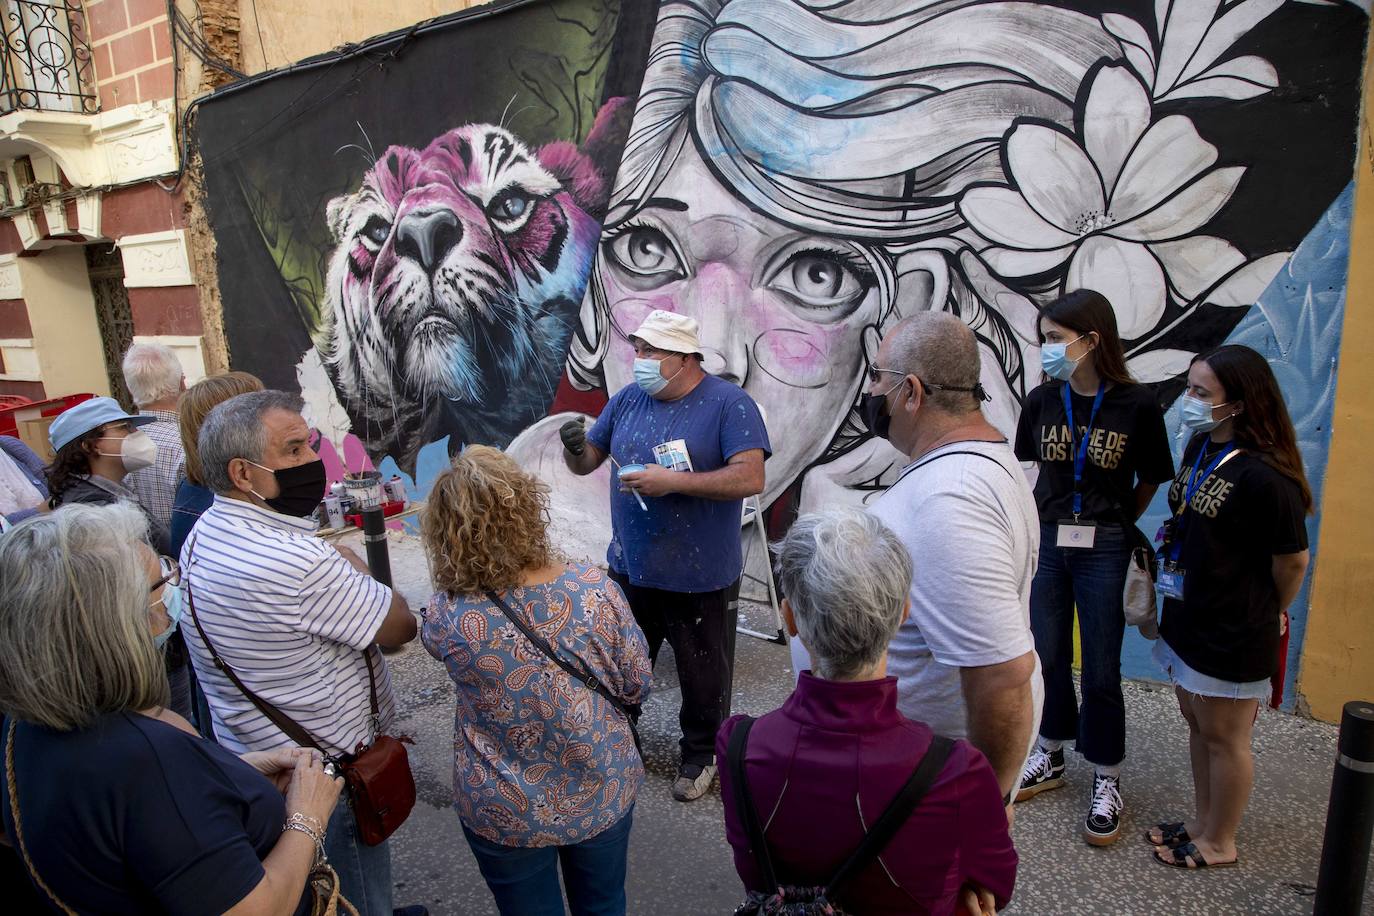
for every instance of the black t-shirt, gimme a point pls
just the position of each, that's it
(1227, 625)
(133, 815)
(1127, 444)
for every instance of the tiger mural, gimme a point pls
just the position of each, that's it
(455, 284)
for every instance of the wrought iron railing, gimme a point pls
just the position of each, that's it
(46, 61)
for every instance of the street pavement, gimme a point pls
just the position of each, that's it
(680, 863)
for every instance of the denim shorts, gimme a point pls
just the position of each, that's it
(1204, 685)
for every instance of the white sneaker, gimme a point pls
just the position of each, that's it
(693, 781)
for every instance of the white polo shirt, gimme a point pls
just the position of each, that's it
(291, 617)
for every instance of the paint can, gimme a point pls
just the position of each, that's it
(365, 488)
(333, 507)
(395, 490)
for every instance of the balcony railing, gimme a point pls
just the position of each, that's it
(46, 60)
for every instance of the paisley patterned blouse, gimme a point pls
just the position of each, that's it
(539, 759)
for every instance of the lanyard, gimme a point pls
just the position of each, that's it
(1080, 452)
(1195, 480)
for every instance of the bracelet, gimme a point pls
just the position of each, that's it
(306, 820)
(298, 822)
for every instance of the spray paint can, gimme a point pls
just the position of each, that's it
(333, 507)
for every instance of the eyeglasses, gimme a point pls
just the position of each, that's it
(170, 574)
(875, 373)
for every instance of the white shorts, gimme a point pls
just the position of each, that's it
(1204, 685)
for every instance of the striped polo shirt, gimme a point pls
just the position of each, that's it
(291, 617)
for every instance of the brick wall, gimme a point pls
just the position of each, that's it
(131, 41)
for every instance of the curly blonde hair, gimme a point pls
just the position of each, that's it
(486, 522)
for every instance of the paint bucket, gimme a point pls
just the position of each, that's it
(365, 488)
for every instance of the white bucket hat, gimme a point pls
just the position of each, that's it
(669, 331)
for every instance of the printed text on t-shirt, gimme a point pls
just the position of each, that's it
(1105, 447)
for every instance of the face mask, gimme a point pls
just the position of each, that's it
(649, 377)
(1196, 414)
(136, 450)
(301, 488)
(1054, 359)
(875, 412)
(171, 600)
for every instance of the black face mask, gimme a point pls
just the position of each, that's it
(873, 407)
(300, 488)
(876, 417)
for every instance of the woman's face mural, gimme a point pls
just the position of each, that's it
(782, 312)
(796, 179)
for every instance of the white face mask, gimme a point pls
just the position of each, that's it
(136, 450)
(1196, 414)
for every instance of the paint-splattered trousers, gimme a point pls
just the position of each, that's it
(700, 626)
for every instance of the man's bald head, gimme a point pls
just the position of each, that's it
(939, 349)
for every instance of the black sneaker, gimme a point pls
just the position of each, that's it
(1042, 772)
(1103, 824)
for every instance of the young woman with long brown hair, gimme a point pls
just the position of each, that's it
(1233, 559)
(1099, 441)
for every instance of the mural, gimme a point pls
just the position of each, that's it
(419, 273)
(799, 176)
(795, 174)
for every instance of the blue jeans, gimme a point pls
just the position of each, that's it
(524, 881)
(1093, 580)
(364, 871)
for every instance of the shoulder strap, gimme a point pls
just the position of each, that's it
(12, 789)
(744, 803)
(919, 465)
(583, 677)
(895, 814)
(287, 726)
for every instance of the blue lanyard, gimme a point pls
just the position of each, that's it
(1195, 481)
(1080, 452)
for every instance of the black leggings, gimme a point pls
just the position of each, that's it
(700, 626)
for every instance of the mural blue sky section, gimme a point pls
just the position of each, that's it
(1296, 324)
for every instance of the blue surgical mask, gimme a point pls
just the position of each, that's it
(1196, 414)
(648, 376)
(1054, 359)
(171, 600)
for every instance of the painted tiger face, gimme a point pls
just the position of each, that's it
(446, 257)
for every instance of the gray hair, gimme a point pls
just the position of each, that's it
(153, 373)
(939, 349)
(846, 577)
(74, 637)
(234, 429)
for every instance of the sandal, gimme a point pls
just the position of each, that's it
(1169, 835)
(1188, 857)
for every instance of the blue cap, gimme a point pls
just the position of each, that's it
(75, 422)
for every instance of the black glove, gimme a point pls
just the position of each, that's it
(574, 436)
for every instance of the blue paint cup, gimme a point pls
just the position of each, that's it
(633, 469)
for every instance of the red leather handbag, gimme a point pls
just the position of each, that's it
(380, 784)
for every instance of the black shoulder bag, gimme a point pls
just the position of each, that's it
(777, 900)
(629, 710)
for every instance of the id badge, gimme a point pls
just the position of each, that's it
(1169, 583)
(1076, 534)
(673, 455)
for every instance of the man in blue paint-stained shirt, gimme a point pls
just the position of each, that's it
(687, 449)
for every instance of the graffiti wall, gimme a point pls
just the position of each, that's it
(799, 178)
(404, 234)
(472, 226)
